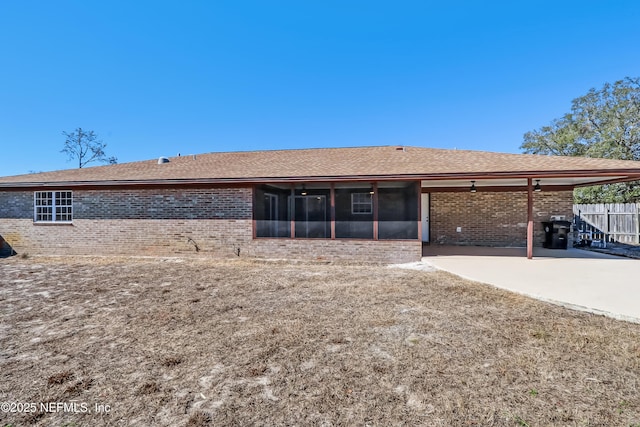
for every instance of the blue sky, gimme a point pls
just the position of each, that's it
(159, 78)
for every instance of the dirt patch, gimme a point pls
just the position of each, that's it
(115, 341)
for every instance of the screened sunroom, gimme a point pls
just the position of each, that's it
(344, 210)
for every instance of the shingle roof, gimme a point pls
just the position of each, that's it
(328, 164)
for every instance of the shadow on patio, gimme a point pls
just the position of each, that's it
(482, 251)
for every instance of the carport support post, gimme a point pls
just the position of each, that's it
(529, 218)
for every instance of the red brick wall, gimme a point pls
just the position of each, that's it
(168, 203)
(170, 222)
(493, 219)
(385, 251)
(220, 238)
(219, 222)
(127, 236)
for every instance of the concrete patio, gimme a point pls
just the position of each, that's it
(574, 278)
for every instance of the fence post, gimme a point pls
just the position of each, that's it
(637, 215)
(606, 227)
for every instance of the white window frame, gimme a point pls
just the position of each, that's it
(359, 206)
(60, 208)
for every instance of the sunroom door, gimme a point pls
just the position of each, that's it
(311, 216)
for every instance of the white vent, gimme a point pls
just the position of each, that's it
(162, 160)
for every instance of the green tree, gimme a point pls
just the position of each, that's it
(603, 123)
(85, 147)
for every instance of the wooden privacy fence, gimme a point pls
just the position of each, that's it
(611, 222)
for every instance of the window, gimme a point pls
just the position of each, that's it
(361, 203)
(53, 206)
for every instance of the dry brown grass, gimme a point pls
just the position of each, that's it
(197, 343)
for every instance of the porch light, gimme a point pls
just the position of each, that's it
(537, 186)
(371, 191)
(304, 190)
(473, 187)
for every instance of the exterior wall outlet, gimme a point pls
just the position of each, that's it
(458, 229)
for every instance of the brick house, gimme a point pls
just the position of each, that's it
(369, 203)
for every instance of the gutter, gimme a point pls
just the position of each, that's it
(631, 175)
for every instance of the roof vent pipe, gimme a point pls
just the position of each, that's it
(162, 160)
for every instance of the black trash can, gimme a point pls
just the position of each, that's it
(556, 234)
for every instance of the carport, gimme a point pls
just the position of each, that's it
(575, 278)
(529, 183)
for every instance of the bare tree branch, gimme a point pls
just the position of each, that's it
(85, 147)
